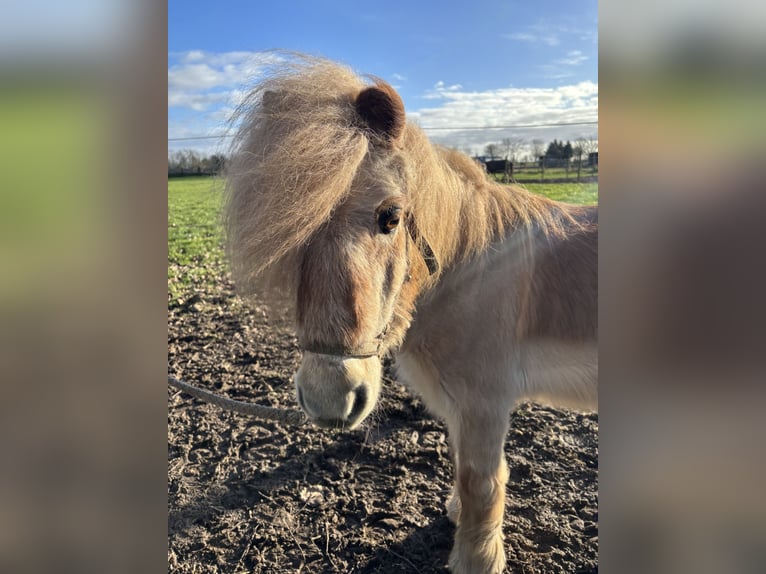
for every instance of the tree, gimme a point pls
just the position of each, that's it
(588, 144)
(492, 150)
(538, 146)
(513, 147)
(554, 150)
(194, 160)
(583, 147)
(567, 151)
(185, 162)
(181, 161)
(558, 150)
(217, 163)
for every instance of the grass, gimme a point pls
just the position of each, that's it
(528, 173)
(579, 193)
(195, 236)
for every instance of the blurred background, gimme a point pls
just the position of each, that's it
(82, 280)
(681, 277)
(83, 254)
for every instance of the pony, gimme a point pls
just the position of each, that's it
(384, 244)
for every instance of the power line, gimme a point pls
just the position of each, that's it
(517, 126)
(201, 138)
(464, 128)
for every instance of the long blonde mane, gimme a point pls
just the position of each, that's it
(298, 150)
(462, 211)
(296, 154)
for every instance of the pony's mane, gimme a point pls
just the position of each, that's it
(295, 155)
(297, 151)
(462, 211)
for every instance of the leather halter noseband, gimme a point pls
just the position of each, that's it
(373, 348)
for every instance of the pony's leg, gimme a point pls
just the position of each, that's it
(482, 474)
(453, 503)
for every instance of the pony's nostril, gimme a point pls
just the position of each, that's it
(300, 399)
(359, 404)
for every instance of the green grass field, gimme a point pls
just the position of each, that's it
(578, 193)
(195, 236)
(533, 173)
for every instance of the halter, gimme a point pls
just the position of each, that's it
(374, 348)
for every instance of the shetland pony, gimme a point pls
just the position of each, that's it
(384, 243)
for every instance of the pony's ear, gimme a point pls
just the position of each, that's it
(269, 99)
(382, 110)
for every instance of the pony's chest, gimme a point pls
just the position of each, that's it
(420, 376)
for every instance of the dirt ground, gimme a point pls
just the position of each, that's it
(252, 496)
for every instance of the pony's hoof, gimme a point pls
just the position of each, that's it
(484, 558)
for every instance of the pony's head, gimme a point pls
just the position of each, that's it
(319, 211)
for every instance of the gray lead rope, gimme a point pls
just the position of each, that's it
(292, 417)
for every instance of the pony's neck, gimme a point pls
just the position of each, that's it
(461, 212)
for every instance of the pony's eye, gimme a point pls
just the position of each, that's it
(389, 218)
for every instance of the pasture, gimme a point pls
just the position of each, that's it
(526, 173)
(252, 496)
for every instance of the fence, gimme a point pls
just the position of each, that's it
(192, 171)
(548, 170)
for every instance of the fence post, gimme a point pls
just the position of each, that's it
(542, 169)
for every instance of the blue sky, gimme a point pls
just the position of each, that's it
(456, 64)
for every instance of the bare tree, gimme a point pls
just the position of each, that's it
(194, 159)
(513, 147)
(588, 144)
(185, 162)
(178, 161)
(585, 145)
(493, 150)
(538, 148)
(577, 152)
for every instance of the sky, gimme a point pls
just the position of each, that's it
(456, 64)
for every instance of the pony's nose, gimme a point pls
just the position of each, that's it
(356, 403)
(359, 404)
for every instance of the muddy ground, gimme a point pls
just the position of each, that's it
(251, 496)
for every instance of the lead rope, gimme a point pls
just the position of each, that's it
(287, 416)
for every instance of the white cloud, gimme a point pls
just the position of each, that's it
(194, 56)
(194, 77)
(200, 79)
(554, 33)
(399, 77)
(507, 107)
(549, 38)
(440, 88)
(553, 73)
(211, 86)
(573, 58)
(195, 100)
(521, 36)
(561, 68)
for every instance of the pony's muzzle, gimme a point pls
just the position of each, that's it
(357, 400)
(337, 392)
